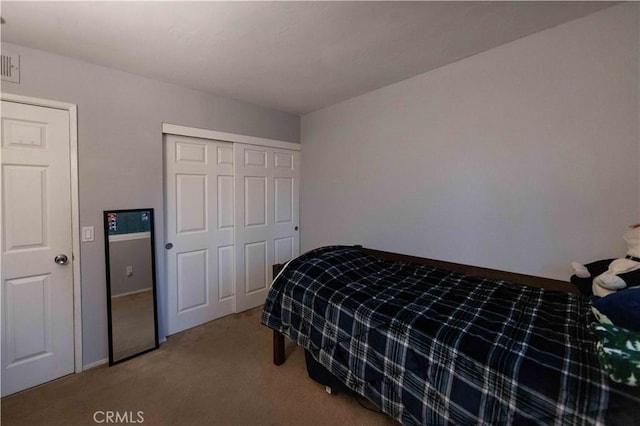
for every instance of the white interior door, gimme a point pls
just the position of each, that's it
(200, 226)
(37, 292)
(267, 217)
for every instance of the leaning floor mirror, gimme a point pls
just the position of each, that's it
(131, 283)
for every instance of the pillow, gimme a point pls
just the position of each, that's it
(621, 308)
(619, 352)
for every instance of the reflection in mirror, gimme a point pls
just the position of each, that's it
(131, 283)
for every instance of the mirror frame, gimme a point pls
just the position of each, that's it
(153, 279)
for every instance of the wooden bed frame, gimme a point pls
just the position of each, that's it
(530, 280)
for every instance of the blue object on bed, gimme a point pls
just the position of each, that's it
(430, 346)
(621, 308)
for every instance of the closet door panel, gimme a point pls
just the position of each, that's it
(199, 227)
(191, 203)
(225, 202)
(267, 217)
(193, 291)
(255, 204)
(284, 200)
(284, 248)
(226, 274)
(255, 266)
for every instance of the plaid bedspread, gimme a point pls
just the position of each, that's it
(434, 347)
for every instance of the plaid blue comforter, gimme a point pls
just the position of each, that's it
(433, 347)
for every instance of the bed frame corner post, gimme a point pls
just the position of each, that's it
(278, 348)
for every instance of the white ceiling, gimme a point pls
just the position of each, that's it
(292, 56)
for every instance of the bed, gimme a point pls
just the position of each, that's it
(453, 345)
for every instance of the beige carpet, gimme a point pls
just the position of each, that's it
(220, 373)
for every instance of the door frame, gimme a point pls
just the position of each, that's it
(72, 109)
(195, 132)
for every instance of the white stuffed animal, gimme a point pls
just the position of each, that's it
(619, 273)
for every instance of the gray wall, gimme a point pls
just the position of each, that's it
(135, 253)
(522, 158)
(120, 152)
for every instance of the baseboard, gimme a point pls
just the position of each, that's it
(95, 364)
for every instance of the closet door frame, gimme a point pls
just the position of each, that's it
(195, 132)
(178, 130)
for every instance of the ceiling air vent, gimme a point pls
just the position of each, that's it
(10, 67)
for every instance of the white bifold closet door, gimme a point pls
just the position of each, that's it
(231, 212)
